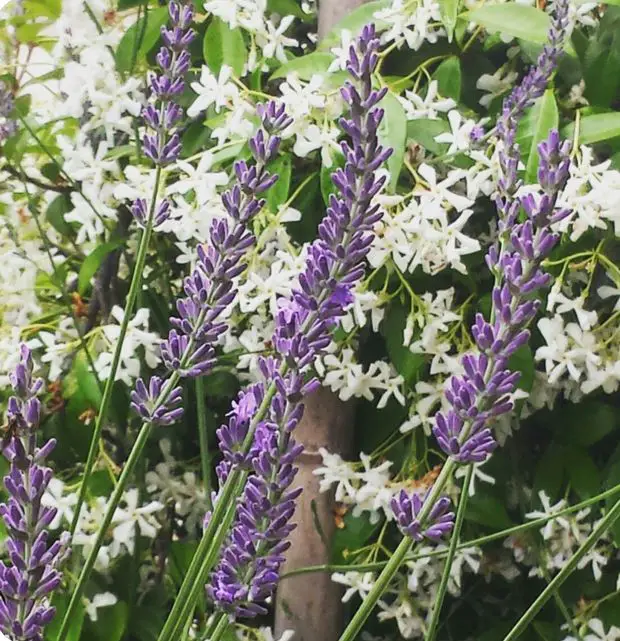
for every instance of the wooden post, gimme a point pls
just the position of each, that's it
(310, 604)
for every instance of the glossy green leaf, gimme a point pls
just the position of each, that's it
(42, 8)
(513, 19)
(549, 472)
(278, 193)
(546, 117)
(224, 46)
(91, 263)
(140, 38)
(583, 474)
(449, 78)
(55, 214)
(111, 623)
(60, 602)
(424, 131)
(393, 134)
(601, 61)
(449, 10)
(487, 510)
(327, 185)
(354, 534)
(354, 21)
(586, 423)
(288, 8)
(595, 128)
(305, 66)
(523, 361)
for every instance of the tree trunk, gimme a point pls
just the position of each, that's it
(311, 604)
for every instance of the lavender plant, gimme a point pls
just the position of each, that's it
(278, 302)
(34, 573)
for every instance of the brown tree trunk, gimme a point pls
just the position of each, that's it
(311, 604)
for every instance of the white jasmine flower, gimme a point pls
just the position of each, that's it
(210, 90)
(102, 600)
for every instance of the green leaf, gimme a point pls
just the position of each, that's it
(354, 534)
(549, 474)
(546, 118)
(60, 602)
(595, 128)
(139, 39)
(354, 22)
(393, 133)
(586, 423)
(43, 9)
(449, 10)
(278, 193)
(327, 185)
(601, 61)
(111, 623)
(424, 131)
(80, 385)
(224, 46)
(582, 471)
(449, 77)
(407, 363)
(93, 261)
(517, 20)
(55, 214)
(488, 510)
(305, 66)
(523, 361)
(288, 8)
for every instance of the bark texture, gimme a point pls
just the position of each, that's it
(310, 603)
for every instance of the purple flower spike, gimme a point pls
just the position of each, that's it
(250, 563)
(407, 508)
(163, 143)
(27, 583)
(209, 290)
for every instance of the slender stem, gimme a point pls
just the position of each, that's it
(115, 499)
(482, 540)
(134, 288)
(205, 458)
(206, 555)
(41, 184)
(396, 560)
(222, 625)
(606, 522)
(563, 607)
(445, 577)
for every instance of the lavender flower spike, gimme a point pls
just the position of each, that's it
(406, 509)
(25, 585)
(535, 82)
(483, 392)
(250, 563)
(209, 290)
(163, 113)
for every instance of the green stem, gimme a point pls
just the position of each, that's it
(482, 540)
(205, 458)
(204, 559)
(134, 288)
(396, 560)
(606, 522)
(221, 627)
(445, 577)
(115, 499)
